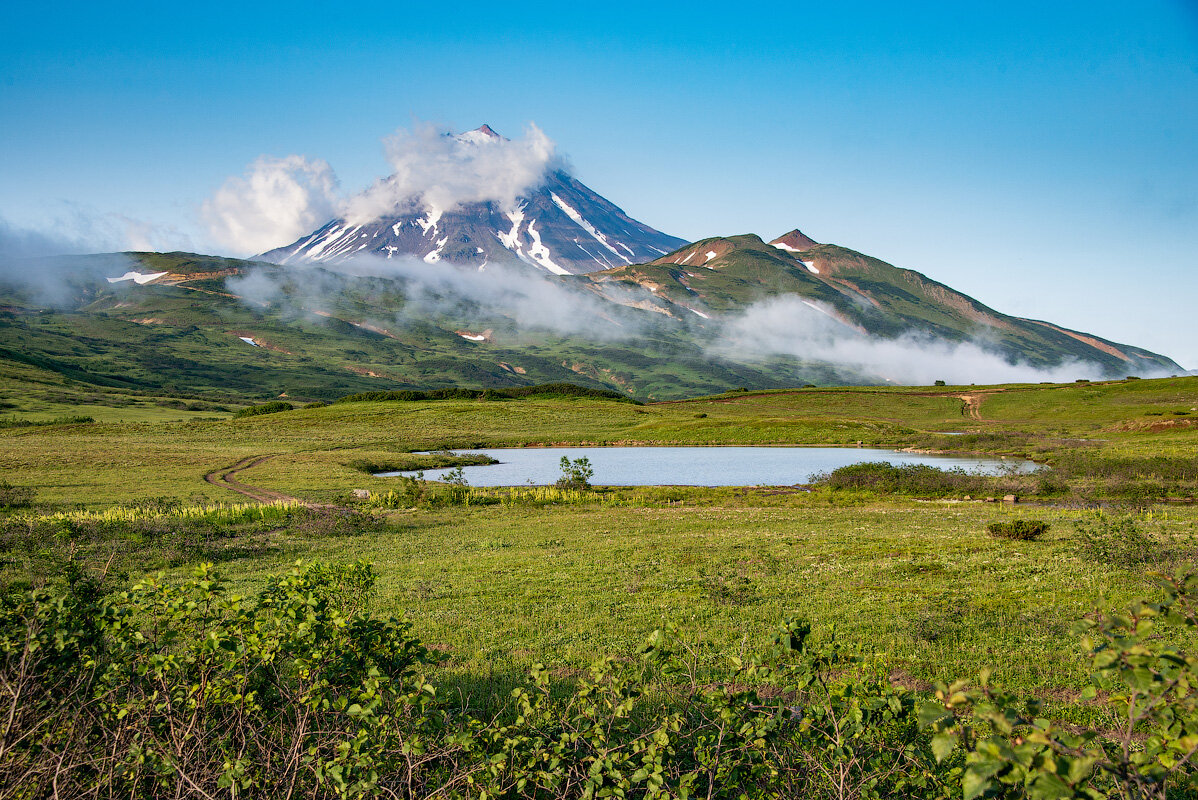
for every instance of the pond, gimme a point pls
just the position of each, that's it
(700, 466)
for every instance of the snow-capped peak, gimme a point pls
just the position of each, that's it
(557, 224)
(483, 133)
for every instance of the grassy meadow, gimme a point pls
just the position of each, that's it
(895, 566)
(499, 586)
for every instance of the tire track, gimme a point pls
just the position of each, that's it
(973, 405)
(223, 479)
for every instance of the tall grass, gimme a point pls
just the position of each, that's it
(213, 514)
(416, 494)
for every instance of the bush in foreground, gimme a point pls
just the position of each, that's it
(12, 496)
(190, 691)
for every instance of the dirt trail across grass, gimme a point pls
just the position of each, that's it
(973, 405)
(223, 478)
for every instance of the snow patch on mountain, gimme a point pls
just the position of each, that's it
(511, 240)
(589, 228)
(139, 278)
(433, 256)
(539, 253)
(430, 223)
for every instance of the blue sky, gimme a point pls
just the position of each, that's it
(1042, 157)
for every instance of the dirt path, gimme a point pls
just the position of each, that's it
(973, 405)
(224, 479)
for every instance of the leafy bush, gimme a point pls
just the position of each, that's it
(167, 691)
(186, 690)
(1082, 464)
(909, 479)
(419, 461)
(576, 474)
(1119, 540)
(15, 496)
(1144, 749)
(273, 407)
(13, 422)
(1022, 529)
(410, 492)
(1133, 480)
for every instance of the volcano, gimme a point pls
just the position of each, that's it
(560, 226)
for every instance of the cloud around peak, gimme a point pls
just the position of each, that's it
(278, 200)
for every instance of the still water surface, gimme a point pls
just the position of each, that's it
(699, 466)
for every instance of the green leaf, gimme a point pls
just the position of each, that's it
(973, 784)
(943, 744)
(1047, 786)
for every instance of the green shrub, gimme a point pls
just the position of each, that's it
(168, 690)
(909, 479)
(1144, 749)
(1021, 529)
(13, 422)
(1119, 540)
(576, 474)
(409, 492)
(409, 462)
(187, 690)
(15, 496)
(273, 407)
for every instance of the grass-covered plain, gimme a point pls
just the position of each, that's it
(897, 568)
(502, 585)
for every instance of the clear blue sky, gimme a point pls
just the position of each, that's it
(1042, 157)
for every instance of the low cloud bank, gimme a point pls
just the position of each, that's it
(788, 326)
(782, 326)
(44, 265)
(278, 200)
(531, 300)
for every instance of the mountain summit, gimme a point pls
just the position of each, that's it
(561, 226)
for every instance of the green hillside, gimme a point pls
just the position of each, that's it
(183, 335)
(725, 274)
(226, 330)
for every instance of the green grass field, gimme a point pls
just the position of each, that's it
(913, 583)
(145, 450)
(500, 587)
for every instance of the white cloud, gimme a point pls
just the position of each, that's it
(278, 200)
(436, 171)
(275, 202)
(809, 331)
